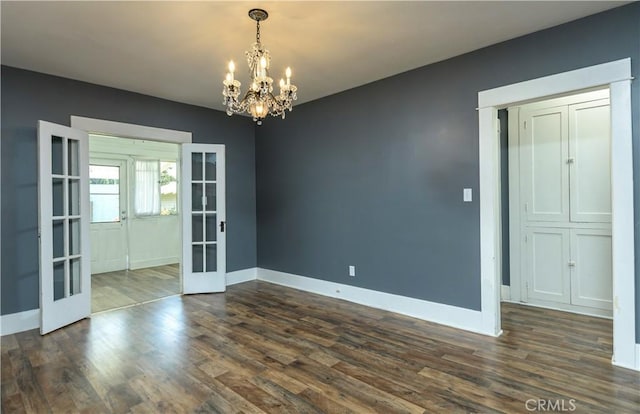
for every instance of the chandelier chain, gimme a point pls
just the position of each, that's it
(258, 32)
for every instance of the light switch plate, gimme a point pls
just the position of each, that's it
(466, 195)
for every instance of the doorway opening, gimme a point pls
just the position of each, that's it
(555, 197)
(134, 216)
(616, 76)
(556, 203)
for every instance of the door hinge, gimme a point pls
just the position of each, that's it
(526, 238)
(525, 124)
(526, 207)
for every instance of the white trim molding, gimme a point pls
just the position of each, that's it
(19, 322)
(617, 77)
(453, 316)
(124, 130)
(241, 276)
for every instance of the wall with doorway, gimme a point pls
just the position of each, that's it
(29, 96)
(374, 176)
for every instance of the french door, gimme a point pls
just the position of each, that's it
(203, 218)
(63, 225)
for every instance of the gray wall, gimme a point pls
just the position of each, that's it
(28, 97)
(373, 176)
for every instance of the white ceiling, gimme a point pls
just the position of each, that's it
(179, 50)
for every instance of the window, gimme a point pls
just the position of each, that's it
(168, 188)
(156, 188)
(104, 193)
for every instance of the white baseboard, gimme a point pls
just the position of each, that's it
(18, 322)
(453, 316)
(241, 276)
(505, 292)
(160, 261)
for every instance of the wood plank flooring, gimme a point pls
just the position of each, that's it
(128, 287)
(265, 348)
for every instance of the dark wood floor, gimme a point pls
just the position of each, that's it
(265, 348)
(128, 287)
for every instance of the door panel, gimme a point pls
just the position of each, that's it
(203, 207)
(108, 204)
(547, 267)
(590, 149)
(544, 155)
(63, 224)
(591, 277)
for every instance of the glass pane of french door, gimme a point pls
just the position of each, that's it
(203, 211)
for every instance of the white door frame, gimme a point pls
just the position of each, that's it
(617, 76)
(121, 129)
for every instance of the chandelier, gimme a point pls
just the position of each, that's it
(259, 100)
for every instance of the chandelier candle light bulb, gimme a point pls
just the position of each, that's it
(232, 68)
(259, 100)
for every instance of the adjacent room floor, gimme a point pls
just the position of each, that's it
(129, 287)
(266, 348)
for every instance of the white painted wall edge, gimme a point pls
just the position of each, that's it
(453, 316)
(637, 357)
(20, 321)
(505, 292)
(241, 276)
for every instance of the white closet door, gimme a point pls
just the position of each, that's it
(590, 151)
(591, 277)
(544, 154)
(547, 268)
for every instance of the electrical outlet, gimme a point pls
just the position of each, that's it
(352, 270)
